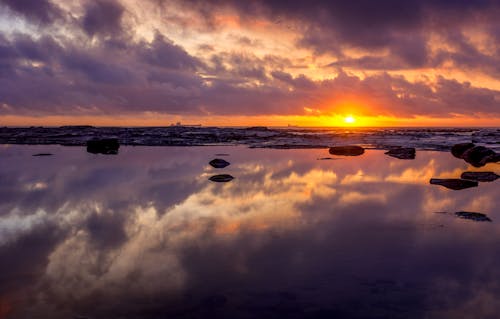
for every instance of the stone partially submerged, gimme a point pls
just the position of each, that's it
(453, 183)
(219, 163)
(479, 156)
(459, 149)
(402, 152)
(222, 178)
(347, 150)
(108, 146)
(480, 176)
(475, 155)
(478, 217)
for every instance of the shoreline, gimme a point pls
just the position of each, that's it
(256, 137)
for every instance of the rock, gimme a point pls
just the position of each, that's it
(459, 149)
(453, 183)
(219, 163)
(103, 146)
(324, 158)
(43, 154)
(348, 150)
(479, 156)
(475, 155)
(480, 176)
(402, 152)
(222, 178)
(478, 217)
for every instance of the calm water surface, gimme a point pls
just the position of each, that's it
(144, 234)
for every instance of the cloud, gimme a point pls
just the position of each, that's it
(117, 56)
(403, 29)
(162, 52)
(42, 12)
(103, 17)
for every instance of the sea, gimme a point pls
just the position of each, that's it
(295, 233)
(257, 136)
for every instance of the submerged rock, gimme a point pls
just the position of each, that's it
(108, 146)
(347, 150)
(453, 183)
(480, 176)
(459, 149)
(479, 156)
(402, 152)
(222, 178)
(475, 155)
(43, 154)
(219, 163)
(478, 217)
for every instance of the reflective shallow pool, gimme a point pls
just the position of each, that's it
(145, 234)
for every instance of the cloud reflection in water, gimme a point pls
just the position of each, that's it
(145, 234)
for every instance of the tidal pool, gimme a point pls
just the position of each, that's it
(146, 234)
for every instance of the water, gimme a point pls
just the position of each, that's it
(258, 137)
(145, 234)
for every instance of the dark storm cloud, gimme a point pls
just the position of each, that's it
(163, 53)
(97, 70)
(163, 77)
(103, 17)
(402, 27)
(39, 11)
(101, 67)
(128, 78)
(357, 22)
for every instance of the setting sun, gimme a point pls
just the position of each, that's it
(349, 119)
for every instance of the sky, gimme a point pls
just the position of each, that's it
(258, 62)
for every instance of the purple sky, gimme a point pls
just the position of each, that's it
(225, 58)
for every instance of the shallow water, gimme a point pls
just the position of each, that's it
(145, 234)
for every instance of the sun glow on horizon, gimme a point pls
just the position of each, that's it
(333, 120)
(349, 119)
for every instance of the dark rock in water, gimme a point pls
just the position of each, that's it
(475, 155)
(348, 150)
(459, 149)
(479, 156)
(480, 176)
(402, 152)
(478, 217)
(43, 154)
(222, 178)
(107, 146)
(219, 163)
(325, 158)
(453, 183)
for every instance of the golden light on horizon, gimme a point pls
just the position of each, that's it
(159, 119)
(349, 119)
